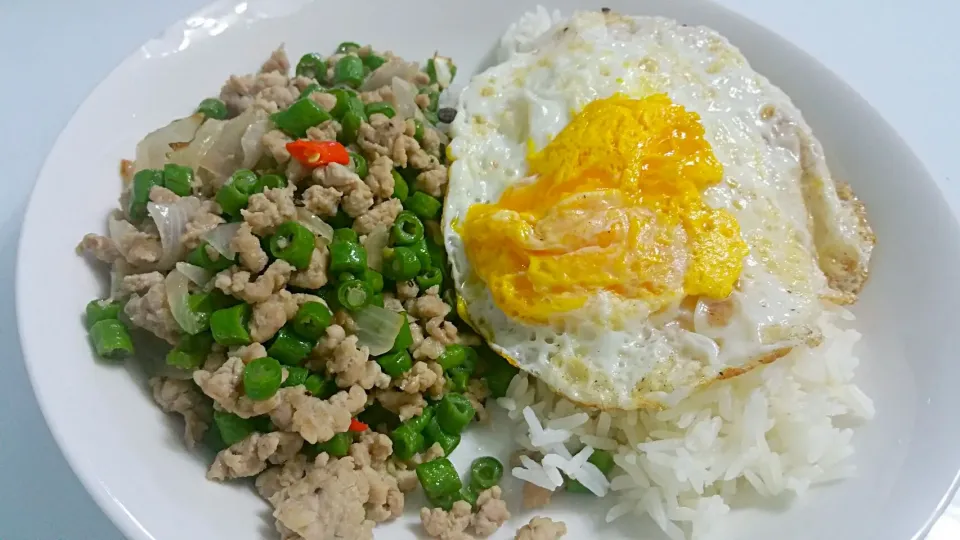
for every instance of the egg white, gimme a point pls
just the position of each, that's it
(613, 352)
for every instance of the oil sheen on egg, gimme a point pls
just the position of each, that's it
(634, 212)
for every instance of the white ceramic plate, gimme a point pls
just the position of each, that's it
(129, 454)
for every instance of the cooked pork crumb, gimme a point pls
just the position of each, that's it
(238, 282)
(540, 528)
(184, 398)
(250, 456)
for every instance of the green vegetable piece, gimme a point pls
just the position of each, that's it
(446, 501)
(407, 229)
(429, 278)
(111, 339)
(347, 257)
(270, 181)
(338, 446)
(353, 294)
(420, 423)
(376, 300)
(213, 108)
(454, 412)
(498, 374)
(423, 205)
(379, 107)
(404, 337)
(422, 252)
(234, 195)
(349, 71)
(349, 127)
(191, 352)
(439, 477)
(320, 387)
(457, 380)
(438, 256)
(312, 320)
(262, 378)
(379, 418)
(373, 61)
(374, 279)
(347, 46)
(341, 220)
(229, 325)
(143, 182)
(232, 428)
(400, 263)
(293, 243)
(311, 88)
(312, 65)
(263, 424)
(418, 130)
(396, 363)
(289, 348)
(431, 69)
(299, 117)
(358, 164)
(201, 256)
(346, 234)
(453, 356)
(347, 100)
(101, 310)
(400, 188)
(178, 179)
(485, 472)
(406, 442)
(296, 376)
(433, 433)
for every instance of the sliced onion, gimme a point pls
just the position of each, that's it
(178, 296)
(118, 228)
(221, 237)
(385, 73)
(404, 98)
(377, 328)
(199, 276)
(251, 143)
(171, 220)
(374, 244)
(192, 154)
(116, 280)
(314, 224)
(226, 154)
(153, 150)
(441, 66)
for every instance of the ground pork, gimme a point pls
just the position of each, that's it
(535, 496)
(403, 404)
(357, 197)
(100, 247)
(390, 302)
(326, 131)
(327, 344)
(277, 478)
(380, 177)
(491, 512)
(269, 91)
(250, 456)
(162, 195)
(324, 100)
(152, 313)
(417, 379)
(416, 334)
(270, 315)
(541, 528)
(431, 142)
(428, 349)
(407, 290)
(277, 62)
(352, 366)
(275, 142)
(345, 319)
(184, 398)
(372, 449)
(385, 213)
(224, 387)
(316, 420)
(137, 247)
(406, 476)
(215, 360)
(313, 276)
(432, 181)
(249, 353)
(444, 525)
(337, 499)
(430, 305)
(248, 248)
(434, 452)
(477, 392)
(237, 282)
(322, 201)
(201, 222)
(266, 211)
(138, 283)
(384, 136)
(442, 330)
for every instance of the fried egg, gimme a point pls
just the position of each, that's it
(633, 212)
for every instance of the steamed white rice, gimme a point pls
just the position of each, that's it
(773, 430)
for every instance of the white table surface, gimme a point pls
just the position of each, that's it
(901, 56)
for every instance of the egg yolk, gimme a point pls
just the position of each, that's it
(616, 206)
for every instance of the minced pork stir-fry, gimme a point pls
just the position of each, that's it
(284, 241)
